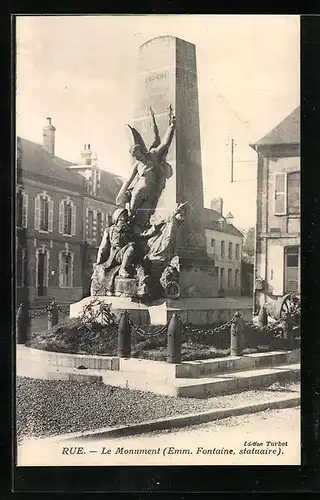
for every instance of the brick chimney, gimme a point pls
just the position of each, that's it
(49, 137)
(217, 205)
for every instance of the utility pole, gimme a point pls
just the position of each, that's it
(232, 152)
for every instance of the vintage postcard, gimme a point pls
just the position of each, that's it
(157, 240)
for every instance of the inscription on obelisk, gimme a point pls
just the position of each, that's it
(167, 75)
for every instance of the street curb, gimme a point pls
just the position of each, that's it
(179, 421)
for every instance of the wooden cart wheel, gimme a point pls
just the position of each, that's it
(287, 304)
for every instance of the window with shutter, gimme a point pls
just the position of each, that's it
(46, 269)
(293, 192)
(73, 220)
(37, 213)
(67, 216)
(237, 251)
(90, 224)
(66, 262)
(291, 269)
(61, 269)
(71, 269)
(280, 193)
(25, 210)
(99, 228)
(50, 221)
(221, 278)
(222, 249)
(236, 278)
(94, 231)
(61, 216)
(20, 203)
(19, 266)
(44, 213)
(229, 278)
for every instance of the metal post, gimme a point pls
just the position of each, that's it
(124, 336)
(236, 335)
(263, 317)
(174, 339)
(22, 323)
(53, 315)
(232, 153)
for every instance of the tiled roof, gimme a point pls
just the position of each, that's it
(110, 185)
(212, 217)
(286, 132)
(32, 157)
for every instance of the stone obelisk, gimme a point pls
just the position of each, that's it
(167, 75)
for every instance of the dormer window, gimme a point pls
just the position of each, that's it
(221, 223)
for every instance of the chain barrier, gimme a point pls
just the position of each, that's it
(38, 312)
(217, 329)
(137, 329)
(65, 309)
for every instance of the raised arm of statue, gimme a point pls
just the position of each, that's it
(120, 199)
(163, 147)
(157, 139)
(104, 248)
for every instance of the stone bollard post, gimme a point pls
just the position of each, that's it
(22, 323)
(236, 335)
(53, 315)
(174, 339)
(124, 336)
(263, 317)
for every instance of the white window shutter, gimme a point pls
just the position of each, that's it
(87, 222)
(37, 213)
(46, 270)
(61, 216)
(71, 270)
(61, 268)
(25, 210)
(73, 219)
(50, 219)
(275, 261)
(280, 193)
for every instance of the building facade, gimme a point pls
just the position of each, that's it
(61, 212)
(98, 205)
(277, 247)
(224, 245)
(48, 226)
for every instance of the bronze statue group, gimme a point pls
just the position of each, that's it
(132, 247)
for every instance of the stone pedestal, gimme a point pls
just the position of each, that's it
(125, 287)
(195, 311)
(167, 74)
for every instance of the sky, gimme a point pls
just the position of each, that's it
(80, 70)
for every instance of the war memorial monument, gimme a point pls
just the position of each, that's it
(153, 255)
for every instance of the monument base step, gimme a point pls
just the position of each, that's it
(217, 384)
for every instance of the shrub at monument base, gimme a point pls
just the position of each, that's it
(149, 342)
